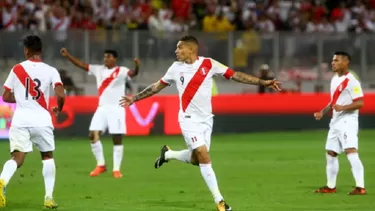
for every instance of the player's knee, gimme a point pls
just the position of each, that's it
(202, 155)
(117, 139)
(332, 153)
(194, 160)
(94, 136)
(350, 150)
(19, 158)
(46, 155)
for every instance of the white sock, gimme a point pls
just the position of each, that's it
(49, 174)
(10, 167)
(210, 178)
(357, 169)
(332, 170)
(183, 155)
(118, 151)
(97, 150)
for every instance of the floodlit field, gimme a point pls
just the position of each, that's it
(260, 172)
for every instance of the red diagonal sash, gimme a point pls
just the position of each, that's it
(108, 81)
(23, 77)
(339, 90)
(195, 82)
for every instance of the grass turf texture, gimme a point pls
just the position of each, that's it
(259, 171)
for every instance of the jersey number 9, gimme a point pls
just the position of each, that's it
(32, 88)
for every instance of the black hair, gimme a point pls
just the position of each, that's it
(112, 52)
(190, 39)
(33, 43)
(344, 54)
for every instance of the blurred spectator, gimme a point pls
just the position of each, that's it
(181, 15)
(69, 85)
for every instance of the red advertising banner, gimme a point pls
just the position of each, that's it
(141, 115)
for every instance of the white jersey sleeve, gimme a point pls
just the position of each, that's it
(355, 90)
(168, 78)
(94, 69)
(10, 81)
(124, 72)
(222, 70)
(55, 78)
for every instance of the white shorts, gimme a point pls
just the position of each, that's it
(197, 134)
(342, 136)
(111, 118)
(23, 138)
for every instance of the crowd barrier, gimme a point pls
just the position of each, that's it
(233, 114)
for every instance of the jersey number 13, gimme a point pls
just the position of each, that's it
(32, 88)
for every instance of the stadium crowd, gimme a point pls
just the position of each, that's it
(183, 15)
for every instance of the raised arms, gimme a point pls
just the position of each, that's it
(135, 71)
(64, 52)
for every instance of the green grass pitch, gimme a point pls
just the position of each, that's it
(259, 171)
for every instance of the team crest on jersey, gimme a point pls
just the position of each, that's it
(340, 87)
(204, 70)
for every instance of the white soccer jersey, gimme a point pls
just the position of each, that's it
(110, 83)
(344, 91)
(194, 85)
(31, 81)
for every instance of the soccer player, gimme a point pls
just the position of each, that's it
(110, 80)
(346, 100)
(28, 85)
(193, 78)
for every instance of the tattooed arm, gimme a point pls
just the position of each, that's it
(149, 91)
(247, 79)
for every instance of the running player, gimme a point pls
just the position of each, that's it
(346, 100)
(110, 80)
(28, 85)
(193, 78)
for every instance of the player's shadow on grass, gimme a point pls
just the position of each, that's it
(13, 206)
(186, 204)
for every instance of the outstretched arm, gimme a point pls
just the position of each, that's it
(148, 92)
(249, 79)
(64, 52)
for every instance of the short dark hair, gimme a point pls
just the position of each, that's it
(190, 39)
(33, 43)
(344, 54)
(112, 52)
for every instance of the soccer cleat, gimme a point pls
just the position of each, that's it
(325, 189)
(98, 170)
(223, 206)
(117, 174)
(358, 191)
(49, 203)
(2, 193)
(161, 159)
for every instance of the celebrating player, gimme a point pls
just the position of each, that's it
(110, 81)
(346, 100)
(193, 78)
(28, 85)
